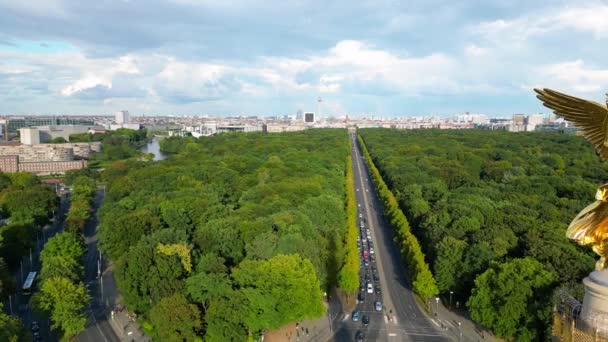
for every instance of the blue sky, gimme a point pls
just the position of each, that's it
(385, 57)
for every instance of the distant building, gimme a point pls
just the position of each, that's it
(41, 134)
(533, 120)
(133, 126)
(238, 128)
(518, 124)
(51, 152)
(30, 136)
(122, 117)
(299, 115)
(14, 124)
(309, 117)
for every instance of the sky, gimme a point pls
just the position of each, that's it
(269, 57)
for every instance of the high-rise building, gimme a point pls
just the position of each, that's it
(309, 117)
(122, 117)
(30, 136)
(299, 115)
(533, 120)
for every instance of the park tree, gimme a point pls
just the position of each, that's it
(64, 302)
(225, 318)
(145, 274)
(204, 287)
(510, 298)
(449, 256)
(277, 291)
(64, 245)
(11, 329)
(175, 319)
(120, 231)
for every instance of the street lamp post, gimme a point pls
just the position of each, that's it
(460, 331)
(451, 292)
(436, 306)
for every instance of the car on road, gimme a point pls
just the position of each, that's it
(366, 262)
(356, 315)
(359, 337)
(35, 326)
(36, 336)
(376, 278)
(360, 215)
(365, 320)
(378, 306)
(371, 250)
(370, 288)
(361, 297)
(358, 244)
(377, 289)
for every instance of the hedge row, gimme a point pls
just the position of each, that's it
(348, 278)
(423, 281)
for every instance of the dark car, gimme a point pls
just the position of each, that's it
(376, 278)
(377, 289)
(365, 320)
(361, 297)
(35, 326)
(359, 337)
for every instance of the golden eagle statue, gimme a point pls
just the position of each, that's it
(590, 226)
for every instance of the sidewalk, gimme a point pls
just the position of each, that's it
(126, 329)
(458, 324)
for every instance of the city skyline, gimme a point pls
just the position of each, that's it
(380, 57)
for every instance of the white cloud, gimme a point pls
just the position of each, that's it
(473, 50)
(572, 76)
(40, 8)
(589, 19)
(586, 19)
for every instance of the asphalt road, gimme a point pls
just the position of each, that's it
(102, 295)
(401, 318)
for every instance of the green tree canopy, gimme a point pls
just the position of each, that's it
(510, 299)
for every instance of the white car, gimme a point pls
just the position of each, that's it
(371, 250)
(370, 288)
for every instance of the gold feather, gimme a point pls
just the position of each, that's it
(591, 117)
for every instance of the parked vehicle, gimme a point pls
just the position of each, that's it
(370, 288)
(356, 316)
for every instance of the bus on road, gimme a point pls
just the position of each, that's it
(28, 284)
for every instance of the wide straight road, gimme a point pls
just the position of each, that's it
(98, 328)
(400, 319)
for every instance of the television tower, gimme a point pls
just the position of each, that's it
(319, 100)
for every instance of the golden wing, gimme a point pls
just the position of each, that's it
(590, 117)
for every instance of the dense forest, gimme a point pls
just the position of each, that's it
(231, 235)
(490, 210)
